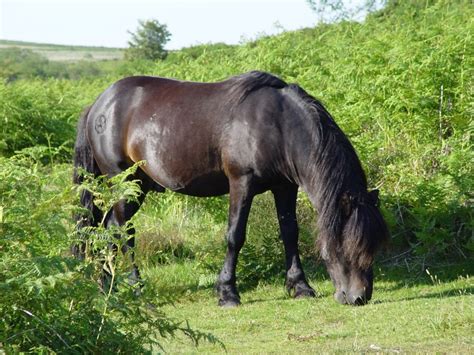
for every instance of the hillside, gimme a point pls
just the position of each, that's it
(400, 85)
(56, 52)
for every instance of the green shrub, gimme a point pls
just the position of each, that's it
(399, 85)
(42, 113)
(50, 302)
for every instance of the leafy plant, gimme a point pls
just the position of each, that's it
(51, 302)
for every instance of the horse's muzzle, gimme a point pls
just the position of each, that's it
(352, 298)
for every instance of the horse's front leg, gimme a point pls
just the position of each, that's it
(239, 208)
(285, 201)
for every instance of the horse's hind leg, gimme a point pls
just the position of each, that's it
(239, 208)
(120, 214)
(285, 201)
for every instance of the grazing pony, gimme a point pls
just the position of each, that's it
(243, 136)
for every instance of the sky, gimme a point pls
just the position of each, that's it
(191, 22)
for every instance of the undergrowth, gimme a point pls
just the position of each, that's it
(50, 302)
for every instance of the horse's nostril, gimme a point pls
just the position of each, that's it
(341, 297)
(359, 301)
(344, 295)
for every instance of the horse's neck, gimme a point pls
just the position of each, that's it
(325, 164)
(319, 156)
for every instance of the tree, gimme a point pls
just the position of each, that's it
(335, 10)
(148, 41)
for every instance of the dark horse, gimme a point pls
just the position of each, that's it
(242, 136)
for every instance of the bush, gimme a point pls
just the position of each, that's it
(42, 113)
(50, 302)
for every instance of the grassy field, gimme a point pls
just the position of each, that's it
(56, 52)
(412, 311)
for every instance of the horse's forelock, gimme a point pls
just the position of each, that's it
(363, 234)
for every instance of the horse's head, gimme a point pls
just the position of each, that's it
(353, 284)
(349, 257)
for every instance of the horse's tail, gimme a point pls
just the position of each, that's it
(84, 160)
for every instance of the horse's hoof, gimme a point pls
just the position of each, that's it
(304, 292)
(136, 287)
(230, 303)
(137, 291)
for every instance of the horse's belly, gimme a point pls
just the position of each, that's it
(202, 185)
(211, 184)
(178, 161)
(186, 180)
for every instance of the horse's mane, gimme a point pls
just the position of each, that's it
(356, 230)
(243, 85)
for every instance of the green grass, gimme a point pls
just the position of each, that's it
(411, 311)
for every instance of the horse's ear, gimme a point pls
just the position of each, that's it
(346, 203)
(374, 197)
